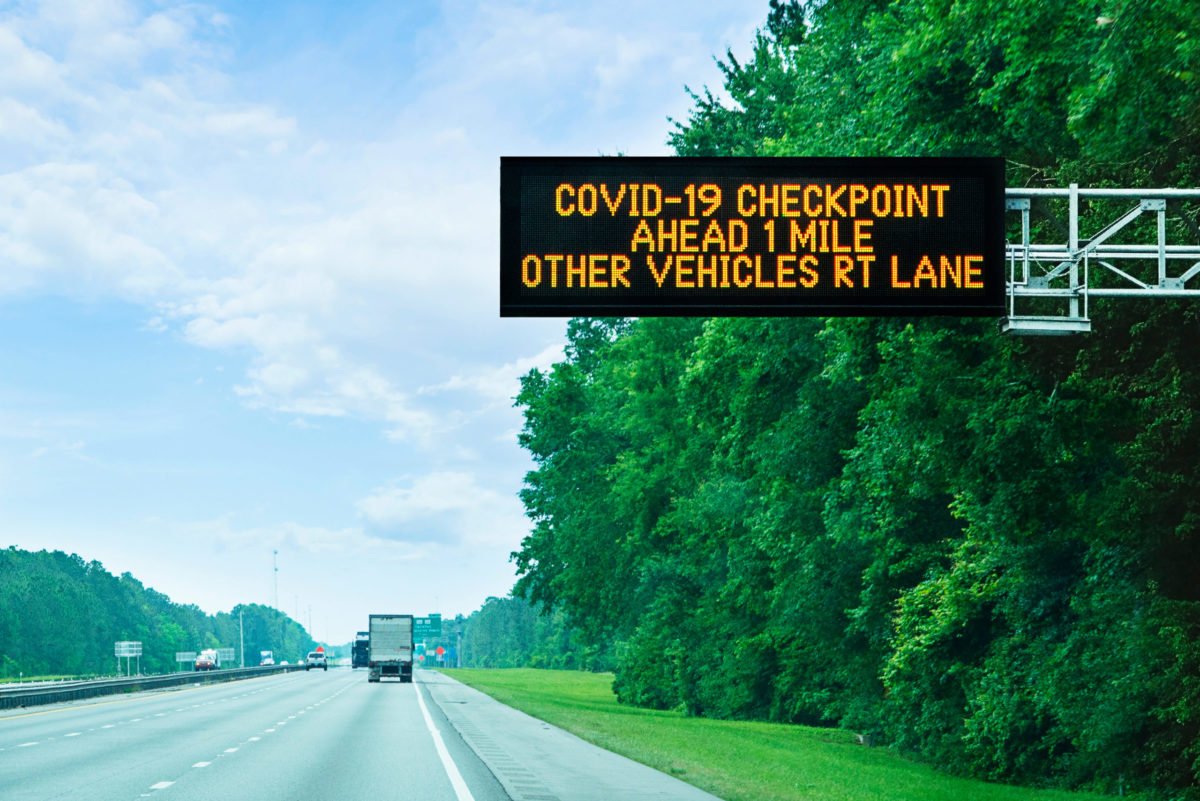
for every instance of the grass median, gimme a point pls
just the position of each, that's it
(735, 760)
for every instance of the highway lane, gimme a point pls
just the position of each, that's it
(299, 735)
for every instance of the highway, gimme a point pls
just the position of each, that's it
(320, 734)
(315, 735)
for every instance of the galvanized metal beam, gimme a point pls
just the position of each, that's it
(1062, 271)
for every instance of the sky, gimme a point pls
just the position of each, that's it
(249, 270)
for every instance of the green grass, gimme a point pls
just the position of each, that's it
(736, 760)
(48, 677)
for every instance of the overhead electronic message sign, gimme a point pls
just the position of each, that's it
(751, 236)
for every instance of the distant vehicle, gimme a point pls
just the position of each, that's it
(284, 662)
(266, 659)
(390, 648)
(359, 655)
(208, 659)
(316, 659)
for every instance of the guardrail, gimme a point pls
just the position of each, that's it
(16, 697)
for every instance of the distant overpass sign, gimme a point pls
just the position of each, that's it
(185, 656)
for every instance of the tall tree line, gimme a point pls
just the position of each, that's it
(511, 632)
(982, 550)
(60, 615)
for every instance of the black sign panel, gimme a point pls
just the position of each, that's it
(751, 236)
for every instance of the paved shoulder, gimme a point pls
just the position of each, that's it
(535, 761)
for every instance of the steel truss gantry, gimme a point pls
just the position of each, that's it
(1049, 285)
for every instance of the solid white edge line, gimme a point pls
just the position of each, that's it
(456, 779)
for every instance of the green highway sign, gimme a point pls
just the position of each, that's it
(427, 628)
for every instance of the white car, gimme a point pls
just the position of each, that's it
(316, 659)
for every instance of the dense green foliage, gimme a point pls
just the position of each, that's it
(981, 550)
(510, 633)
(60, 615)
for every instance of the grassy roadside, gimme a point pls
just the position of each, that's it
(736, 760)
(32, 679)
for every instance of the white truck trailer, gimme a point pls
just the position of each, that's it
(390, 649)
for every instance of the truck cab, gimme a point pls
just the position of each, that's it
(207, 659)
(360, 653)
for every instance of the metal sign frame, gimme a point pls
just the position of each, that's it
(1050, 284)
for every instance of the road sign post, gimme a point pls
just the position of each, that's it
(128, 649)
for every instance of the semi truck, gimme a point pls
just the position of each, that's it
(358, 655)
(390, 647)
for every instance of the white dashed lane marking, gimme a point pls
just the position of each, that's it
(201, 765)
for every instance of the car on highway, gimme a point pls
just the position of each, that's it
(316, 659)
(206, 660)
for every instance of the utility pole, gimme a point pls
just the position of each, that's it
(275, 564)
(242, 638)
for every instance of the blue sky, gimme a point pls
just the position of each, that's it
(248, 279)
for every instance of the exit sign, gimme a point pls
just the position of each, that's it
(427, 628)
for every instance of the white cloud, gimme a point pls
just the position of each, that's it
(24, 68)
(499, 384)
(69, 221)
(309, 539)
(343, 262)
(374, 248)
(256, 122)
(71, 450)
(436, 493)
(446, 506)
(22, 123)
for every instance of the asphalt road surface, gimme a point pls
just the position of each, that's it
(314, 735)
